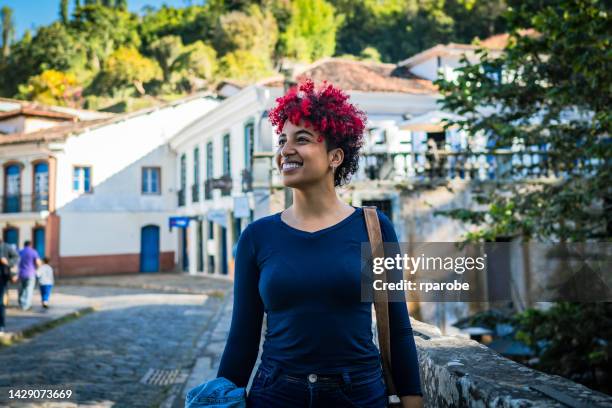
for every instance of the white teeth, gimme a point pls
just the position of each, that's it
(287, 166)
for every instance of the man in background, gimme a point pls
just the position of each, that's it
(8, 259)
(28, 262)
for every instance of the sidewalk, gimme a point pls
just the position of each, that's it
(167, 282)
(20, 323)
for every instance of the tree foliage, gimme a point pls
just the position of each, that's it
(572, 340)
(554, 94)
(221, 38)
(53, 88)
(8, 30)
(311, 33)
(126, 67)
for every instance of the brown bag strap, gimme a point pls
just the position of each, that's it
(381, 302)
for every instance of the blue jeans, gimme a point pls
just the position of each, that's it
(45, 292)
(26, 289)
(272, 387)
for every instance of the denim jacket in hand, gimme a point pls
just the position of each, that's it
(217, 393)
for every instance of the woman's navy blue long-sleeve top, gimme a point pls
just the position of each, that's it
(309, 284)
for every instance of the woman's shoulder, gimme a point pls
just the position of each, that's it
(261, 226)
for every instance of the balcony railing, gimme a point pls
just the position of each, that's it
(441, 166)
(195, 193)
(496, 165)
(20, 203)
(181, 197)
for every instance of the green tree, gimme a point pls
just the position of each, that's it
(126, 67)
(8, 30)
(64, 11)
(166, 51)
(555, 92)
(311, 33)
(571, 340)
(53, 88)
(192, 23)
(244, 66)
(198, 61)
(121, 4)
(254, 30)
(105, 29)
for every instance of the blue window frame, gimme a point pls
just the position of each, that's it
(151, 180)
(81, 179)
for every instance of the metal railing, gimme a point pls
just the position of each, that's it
(432, 167)
(499, 165)
(19, 203)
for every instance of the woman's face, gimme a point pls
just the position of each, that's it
(302, 157)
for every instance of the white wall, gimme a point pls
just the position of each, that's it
(110, 233)
(428, 68)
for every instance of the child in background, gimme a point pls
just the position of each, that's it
(45, 280)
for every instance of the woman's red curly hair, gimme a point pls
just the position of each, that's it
(328, 111)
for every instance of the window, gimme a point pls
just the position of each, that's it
(226, 161)
(40, 200)
(196, 165)
(81, 179)
(380, 136)
(151, 180)
(226, 155)
(248, 145)
(12, 188)
(209, 170)
(493, 72)
(183, 172)
(195, 188)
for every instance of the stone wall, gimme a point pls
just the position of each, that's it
(458, 372)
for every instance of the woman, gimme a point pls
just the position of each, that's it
(302, 267)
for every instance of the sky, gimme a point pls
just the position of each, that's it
(34, 13)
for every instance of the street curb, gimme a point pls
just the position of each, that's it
(12, 338)
(165, 289)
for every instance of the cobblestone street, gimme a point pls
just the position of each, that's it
(110, 357)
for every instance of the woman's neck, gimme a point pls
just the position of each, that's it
(309, 204)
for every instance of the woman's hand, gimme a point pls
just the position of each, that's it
(412, 401)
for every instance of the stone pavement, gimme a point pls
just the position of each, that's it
(136, 349)
(209, 351)
(20, 323)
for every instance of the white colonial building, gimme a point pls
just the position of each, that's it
(93, 191)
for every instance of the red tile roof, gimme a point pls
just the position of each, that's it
(365, 76)
(500, 41)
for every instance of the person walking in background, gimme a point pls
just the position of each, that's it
(44, 273)
(28, 262)
(8, 258)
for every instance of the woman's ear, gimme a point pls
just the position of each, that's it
(337, 156)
